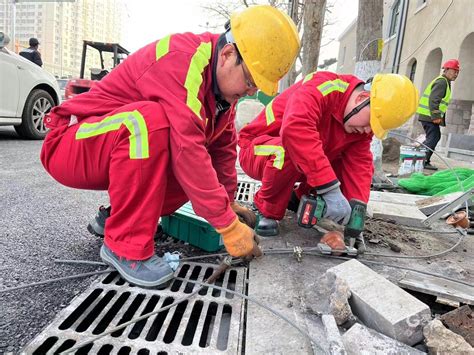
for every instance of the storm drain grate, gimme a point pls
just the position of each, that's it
(246, 191)
(207, 323)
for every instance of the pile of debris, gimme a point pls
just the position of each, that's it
(381, 318)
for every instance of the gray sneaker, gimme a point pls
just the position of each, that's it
(97, 225)
(151, 272)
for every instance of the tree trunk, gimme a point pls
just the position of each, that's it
(294, 11)
(313, 22)
(369, 31)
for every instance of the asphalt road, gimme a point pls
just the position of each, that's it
(40, 220)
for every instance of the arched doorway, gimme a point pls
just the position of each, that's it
(461, 119)
(411, 69)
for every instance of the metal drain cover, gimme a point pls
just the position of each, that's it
(207, 323)
(246, 190)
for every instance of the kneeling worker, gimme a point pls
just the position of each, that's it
(158, 131)
(318, 133)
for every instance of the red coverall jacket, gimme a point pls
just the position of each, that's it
(175, 73)
(300, 137)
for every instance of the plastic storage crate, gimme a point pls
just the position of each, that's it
(185, 225)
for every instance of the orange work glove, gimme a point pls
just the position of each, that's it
(437, 121)
(239, 239)
(245, 214)
(335, 240)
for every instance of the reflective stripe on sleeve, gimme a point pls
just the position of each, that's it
(194, 79)
(162, 47)
(333, 85)
(269, 113)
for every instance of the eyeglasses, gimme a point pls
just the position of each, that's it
(248, 81)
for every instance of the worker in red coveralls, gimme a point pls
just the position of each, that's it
(318, 133)
(159, 131)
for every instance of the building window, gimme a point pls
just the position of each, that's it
(395, 18)
(413, 71)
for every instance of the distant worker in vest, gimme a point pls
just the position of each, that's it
(159, 131)
(32, 53)
(318, 133)
(433, 105)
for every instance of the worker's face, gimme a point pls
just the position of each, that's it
(359, 123)
(234, 79)
(451, 74)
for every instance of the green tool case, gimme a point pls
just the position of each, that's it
(185, 225)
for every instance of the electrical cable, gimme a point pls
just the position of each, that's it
(132, 321)
(429, 230)
(55, 280)
(202, 284)
(442, 159)
(419, 256)
(364, 261)
(429, 34)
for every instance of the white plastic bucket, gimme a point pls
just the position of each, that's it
(420, 160)
(407, 160)
(411, 160)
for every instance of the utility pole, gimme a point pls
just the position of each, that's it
(368, 50)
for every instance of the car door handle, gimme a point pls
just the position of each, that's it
(20, 67)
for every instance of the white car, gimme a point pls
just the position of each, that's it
(27, 93)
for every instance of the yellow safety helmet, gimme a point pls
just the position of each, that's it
(393, 100)
(268, 41)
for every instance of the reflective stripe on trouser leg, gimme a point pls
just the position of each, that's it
(277, 151)
(277, 179)
(132, 120)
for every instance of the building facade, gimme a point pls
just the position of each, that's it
(419, 35)
(61, 28)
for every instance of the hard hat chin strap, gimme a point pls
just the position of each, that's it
(356, 110)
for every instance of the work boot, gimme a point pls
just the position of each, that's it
(428, 166)
(97, 225)
(267, 227)
(294, 202)
(152, 272)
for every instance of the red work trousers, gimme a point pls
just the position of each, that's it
(137, 187)
(277, 184)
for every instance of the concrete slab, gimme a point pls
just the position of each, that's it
(382, 305)
(292, 288)
(439, 287)
(393, 197)
(336, 345)
(360, 340)
(432, 204)
(404, 214)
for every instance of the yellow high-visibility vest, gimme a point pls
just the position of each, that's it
(424, 104)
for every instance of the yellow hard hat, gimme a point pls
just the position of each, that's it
(393, 100)
(268, 41)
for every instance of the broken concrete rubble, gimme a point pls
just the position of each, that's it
(362, 340)
(339, 300)
(381, 305)
(336, 346)
(461, 321)
(441, 340)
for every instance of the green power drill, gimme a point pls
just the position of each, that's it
(355, 226)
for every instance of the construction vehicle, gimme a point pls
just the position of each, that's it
(78, 86)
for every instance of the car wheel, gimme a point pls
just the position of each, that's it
(37, 105)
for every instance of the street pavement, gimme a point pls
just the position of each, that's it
(40, 220)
